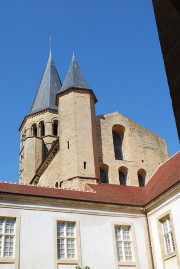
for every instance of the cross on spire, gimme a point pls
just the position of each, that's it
(50, 46)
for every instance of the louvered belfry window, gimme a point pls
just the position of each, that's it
(42, 128)
(55, 128)
(34, 130)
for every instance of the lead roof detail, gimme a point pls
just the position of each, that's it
(50, 85)
(74, 78)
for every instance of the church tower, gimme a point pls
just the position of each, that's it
(39, 129)
(64, 144)
(77, 130)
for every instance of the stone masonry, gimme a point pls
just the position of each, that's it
(84, 142)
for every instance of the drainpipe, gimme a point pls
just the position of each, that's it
(150, 245)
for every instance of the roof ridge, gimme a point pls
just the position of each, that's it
(46, 187)
(163, 164)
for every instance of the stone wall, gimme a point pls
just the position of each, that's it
(34, 149)
(86, 145)
(141, 148)
(30, 158)
(77, 135)
(52, 174)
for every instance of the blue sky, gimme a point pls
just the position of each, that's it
(117, 48)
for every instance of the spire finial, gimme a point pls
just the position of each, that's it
(73, 56)
(50, 46)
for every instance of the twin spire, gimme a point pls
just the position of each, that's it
(51, 84)
(74, 77)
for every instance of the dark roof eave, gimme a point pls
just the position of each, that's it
(162, 193)
(76, 89)
(69, 197)
(36, 113)
(73, 199)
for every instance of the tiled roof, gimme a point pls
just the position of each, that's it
(50, 85)
(102, 194)
(119, 194)
(166, 176)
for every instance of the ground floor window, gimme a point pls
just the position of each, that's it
(167, 235)
(7, 237)
(123, 243)
(66, 240)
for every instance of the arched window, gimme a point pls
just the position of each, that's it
(123, 175)
(55, 128)
(122, 178)
(34, 130)
(104, 174)
(42, 128)
(118, 134)
(141, 177)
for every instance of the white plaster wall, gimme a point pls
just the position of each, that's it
(142, 243)
(171, 263)
(172, 205)
(96, 242)
(155, 242)
(38, 236)
(175, 206)
(97, 245)
(63, 266)
(37, 240)
(7, 266)
(127, 267)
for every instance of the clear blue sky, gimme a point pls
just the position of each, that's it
(116, 45)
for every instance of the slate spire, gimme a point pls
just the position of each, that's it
(50, 85)
(74, 77)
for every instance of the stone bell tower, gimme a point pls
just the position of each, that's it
(77, 130)
(39, 129)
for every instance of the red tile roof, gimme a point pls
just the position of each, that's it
(102, 193)
(119, 194)
(166, 176)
